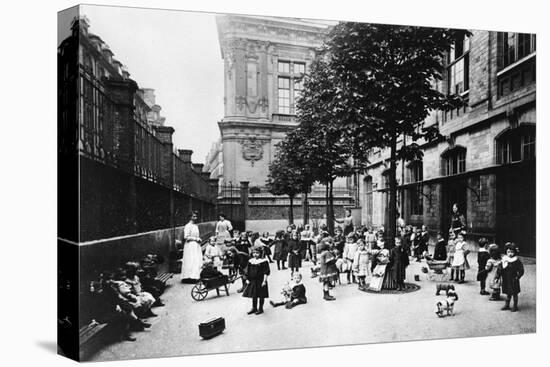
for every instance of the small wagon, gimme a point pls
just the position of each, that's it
(437, 270)
(205, 285)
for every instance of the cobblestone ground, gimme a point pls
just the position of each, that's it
(354, 317)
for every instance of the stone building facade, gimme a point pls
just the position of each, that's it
(485, 161)
(264, 60)
(116, 157)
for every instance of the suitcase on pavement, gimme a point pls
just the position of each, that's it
(211, 327)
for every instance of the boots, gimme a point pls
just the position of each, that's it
(506, 305)
(515, 306)
(276, 304)
(327, 296)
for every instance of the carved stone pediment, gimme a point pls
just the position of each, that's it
(252, 149)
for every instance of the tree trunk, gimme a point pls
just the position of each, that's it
(330, 211)
(291, 210)
(402, 191)
(393, 195)
(305, 209)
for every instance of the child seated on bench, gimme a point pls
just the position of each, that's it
(142, 301)
(294, 293)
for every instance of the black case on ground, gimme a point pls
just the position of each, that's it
(211, 327)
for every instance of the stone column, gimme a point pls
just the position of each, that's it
(122, 93)
(244, 200)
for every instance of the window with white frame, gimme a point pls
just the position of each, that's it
(290, 85)
(513, 47)
(458, 65)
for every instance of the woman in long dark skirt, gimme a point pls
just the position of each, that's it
(256, 274)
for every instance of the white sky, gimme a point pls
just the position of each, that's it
(176, 53)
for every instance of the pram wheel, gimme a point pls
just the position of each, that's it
(199, 291)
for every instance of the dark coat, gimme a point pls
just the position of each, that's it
(440, 251)
(399, 260)
(510, 277)
(482, 258)
(254, 274)
(299, 293)
(280, 249)
(294, 256)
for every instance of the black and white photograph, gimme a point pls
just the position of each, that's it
(235, 182)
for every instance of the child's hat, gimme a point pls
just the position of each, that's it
(511, 246)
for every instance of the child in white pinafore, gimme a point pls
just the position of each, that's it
(361, 265)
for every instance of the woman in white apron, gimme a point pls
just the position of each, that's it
(192, 253)
(223, 229)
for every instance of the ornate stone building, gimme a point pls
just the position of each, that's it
(486, 160)
(265, 59)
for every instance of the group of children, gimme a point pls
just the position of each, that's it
(359, 255)
(502, 272)
(124, 297)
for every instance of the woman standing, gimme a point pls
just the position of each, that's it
(458, 222)
(348, 222)
(223, 228)
(192, 253)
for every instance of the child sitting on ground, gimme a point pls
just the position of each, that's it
(294, 293)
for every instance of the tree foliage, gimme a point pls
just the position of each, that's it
(386, 76)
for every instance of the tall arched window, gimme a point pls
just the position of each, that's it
(516, 145)
(454, 161)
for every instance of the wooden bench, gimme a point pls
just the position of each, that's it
(164, 277)
(88, 338)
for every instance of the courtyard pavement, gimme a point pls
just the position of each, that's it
(355, 317)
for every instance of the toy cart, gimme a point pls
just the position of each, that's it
(437, 270)
(205, 285)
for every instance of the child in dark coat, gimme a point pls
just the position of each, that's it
(280, 249)
(256, 273)
(511, 272)
(482, 258)
(399, 260)
(440, 251)
(294, 293)
(294, 253)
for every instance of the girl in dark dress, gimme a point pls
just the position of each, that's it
(482, 258)
(256, 273)
(280, 249)
(399, 260)
(328, 272)
(511, 272)
(440, 251)
(294, 253)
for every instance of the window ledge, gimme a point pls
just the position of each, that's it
(512, 66)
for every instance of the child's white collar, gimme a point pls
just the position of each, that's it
(255, 261)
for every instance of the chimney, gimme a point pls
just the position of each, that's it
(185, 155)
(205, 175)
(164, 133)
(107, 53)
(198, 167)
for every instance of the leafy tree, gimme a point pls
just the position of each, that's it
(383, 78)
(322, 144)
(286, 177)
